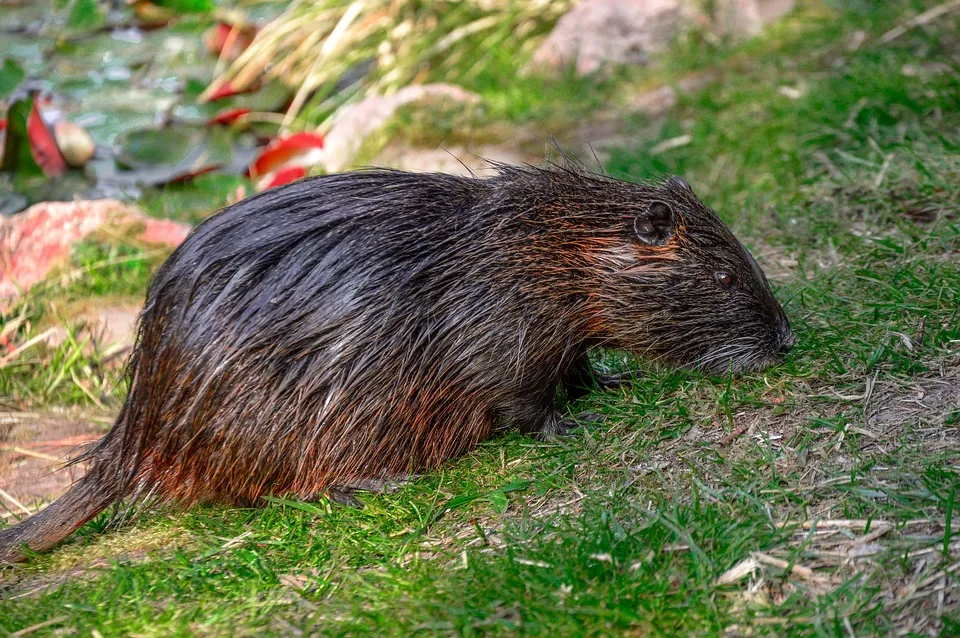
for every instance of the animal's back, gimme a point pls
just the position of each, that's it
(325, 334)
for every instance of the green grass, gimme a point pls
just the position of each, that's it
(195, 200)
(629, 528)
(75, 366)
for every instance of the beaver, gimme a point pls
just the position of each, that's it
(349, 329)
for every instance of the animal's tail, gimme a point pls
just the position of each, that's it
(85, 499)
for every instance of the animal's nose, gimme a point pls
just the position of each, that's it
(786, 344)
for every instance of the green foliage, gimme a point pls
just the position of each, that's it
(11, 76)
(195, 201)
(189, 6)
(85, 15)
(111, 269)
(17, 156)
(374, 48)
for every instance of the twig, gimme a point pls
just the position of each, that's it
(867, 433)
(845, 523)
(735, 434)
(798, 570)
(883, 171)
(14, 324)
(72, 441)
(17, 503)
(848, 627)
(26, 345)
(741, 570)
(868, 392)
(918, 21)
(673, 142)
(830, 167)
(236, 540)
(39, 625)
(90, 395)
(26, 452)
(872, 536)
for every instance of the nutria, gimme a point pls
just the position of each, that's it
(348, 329)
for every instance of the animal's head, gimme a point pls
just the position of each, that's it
(680, 287)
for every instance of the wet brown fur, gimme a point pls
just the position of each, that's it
(375, 324)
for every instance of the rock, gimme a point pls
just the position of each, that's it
(38, 239)
(658, 101)
(113, 326)
(600, 32)
(607, 130)
(109, 330)
(164, 232)
(747, 18)
(655, 101)
(455, 160)
(356, 122)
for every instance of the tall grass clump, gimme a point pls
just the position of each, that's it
(330, 51)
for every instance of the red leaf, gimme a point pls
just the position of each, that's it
(233, 37)
(228, 90)
(44, 146)
(186, 177)
(284, 176)
(217, 36)
(227, 117)
(283, 149)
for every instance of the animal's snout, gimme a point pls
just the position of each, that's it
(786, 343)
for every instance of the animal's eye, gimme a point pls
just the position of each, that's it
(724, 279)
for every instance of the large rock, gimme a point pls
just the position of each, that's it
(109, 331)
(746, 18)
(456, 160)
(37, 240)
(599, 32)
(356, 122)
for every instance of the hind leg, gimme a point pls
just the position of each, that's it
(344, 492)
(581, 377)
(559, 426)
(543, 421)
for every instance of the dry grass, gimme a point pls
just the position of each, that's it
(317, 45)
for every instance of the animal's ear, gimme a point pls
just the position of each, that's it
(656, 225)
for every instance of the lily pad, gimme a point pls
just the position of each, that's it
(115, 108)
(11, 201)
(177, 153)
(85, 15)
(273, 97)
(11, 76)
(143, 148)
(17, 192)
(27, 50)
(26, 16)
(134, 91)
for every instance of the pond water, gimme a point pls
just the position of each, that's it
(133, 87)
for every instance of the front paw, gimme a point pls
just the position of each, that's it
(344, 496)
(570, 426)
(615, 380)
